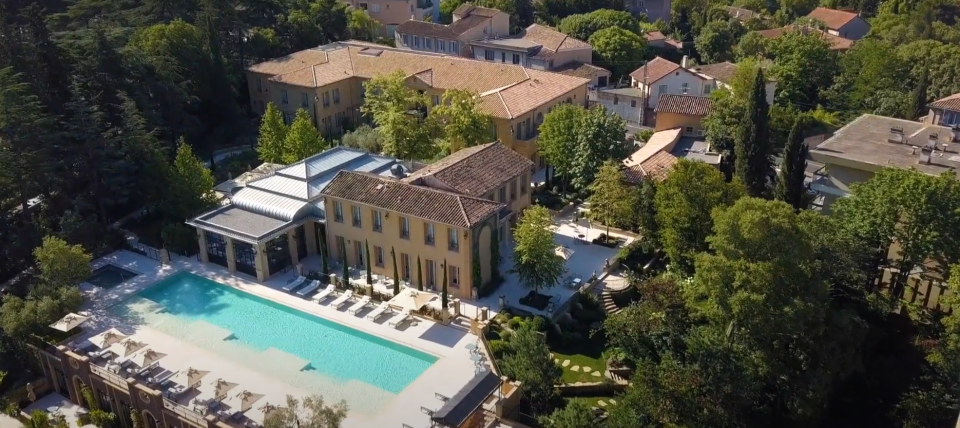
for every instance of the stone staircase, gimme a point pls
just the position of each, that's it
(609, 306)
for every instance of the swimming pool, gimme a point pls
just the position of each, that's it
(334, 351)
(109, 276)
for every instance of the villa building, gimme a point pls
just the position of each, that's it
(469, 23)
(945, 111)
(442, 220)
(328, 82)
(841, 23)
(721, 74)
(657, 157)
(870, 143)
(391, 13)
(684, 112)
(837, 43)
(270, 223)
(661, 76)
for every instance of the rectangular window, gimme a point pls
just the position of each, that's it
(428, 43)
(288, 118)
(503, 57)
(416, 41)
(524, 184)
(502, 194)
(436, 100)
(454, 277)
(516, 58)
(304, 100)
(337, 212)
(689, 130)
(431, 273)
(633, 103)
(378, 256)
(513, 190)
(105, 402)
(454, 47)
(336, 96)
(707, 88)
(356, 216)
(375, 8)
(341, 248)
(488, 55)
(326, 99)
(283, 96)
(377, 221)
(684, 88)
(406, 40)
(441, 45)
(615, 100)
(429, 237)
(363, 6)
(259, 85)
(662, 89)
(453, 237)
(405, 265)
(404, 228)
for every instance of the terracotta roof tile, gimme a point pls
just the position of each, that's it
(837, 43)
(468, 9)
(742, 14)
(505, 90)
(949, 103)
(552, 39)
(417, 201)
(683, 104)
(656, 68)
(476, 171)
(655, 36)
(722, 71)
(580, 69)
(655, 167)
(832, 17)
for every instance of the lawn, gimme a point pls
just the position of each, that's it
(593, 401)
(588, 353)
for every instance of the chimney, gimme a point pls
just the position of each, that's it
(896, 135)
(683, 62)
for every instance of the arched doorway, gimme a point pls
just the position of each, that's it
(78, 386)
(148, 420)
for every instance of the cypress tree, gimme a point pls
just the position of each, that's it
(396, 273)
(752, 148)
(366, 245)
(346, 269)
(273, 133)
(790, 188)
(918, 105)
(419, 275)
(443, 297)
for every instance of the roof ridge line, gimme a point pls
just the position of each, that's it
(463, 212)
(428, 188)
(505, 106)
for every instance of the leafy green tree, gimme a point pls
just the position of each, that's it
(790, 186)
(263, 44)
(310, 412)
(61, 264)
(752, 147)
(915, 210)
(459, 119)
(399, 113)
(21, 318)
(646, 196)
(601, 136)
(917, 108)
(641, 336)
(751, 45)
(683, 211)
(716, 40)
(302, 139)
(135, 420)
(273, 135)
(804, 65)
(534, 255)
(610, 200)
(364, 138)
(618, 50)
(446, 10)
(582, 26)
(361, 25)
(531, 364)
(575, 415)
(190, 187)
(557, 141)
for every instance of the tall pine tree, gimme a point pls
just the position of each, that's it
(790, 187)
(918, 104)
(753, 148)
(273, 133)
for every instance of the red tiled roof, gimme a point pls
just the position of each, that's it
(417, 201)
(832, 17)
(477, 170)
(656, 69)
(656, 167)
(836, 42)
(654, 36)
(683, 104)
(949, 103)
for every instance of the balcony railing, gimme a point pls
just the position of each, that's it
(108, 376)
(529, 136)
(184, 412)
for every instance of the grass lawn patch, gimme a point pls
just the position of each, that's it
(587, 353)
(593, 401)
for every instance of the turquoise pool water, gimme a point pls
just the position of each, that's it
(333, 350)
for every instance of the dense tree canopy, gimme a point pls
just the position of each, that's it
(621, 51)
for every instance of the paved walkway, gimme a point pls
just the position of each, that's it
(8, 422)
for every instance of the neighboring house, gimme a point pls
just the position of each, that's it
(656, 39)
(469, 23)
(624, 102)
(660, 153)
(447, 216)
(328, 82)
(684, 112)
(660, 76)
(945, 111)
(837, 43)
(744, 15)
(272, 222)
(392, 13)
(653, 9)
(599, 76)
(869, 143)
(537, 46)
(721, 75)
(842, 23)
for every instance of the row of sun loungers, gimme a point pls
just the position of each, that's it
(343, 299)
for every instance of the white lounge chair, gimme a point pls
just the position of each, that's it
(342, 299)
(397, 320)
(292, 285)
(379, 310)
(309, 288)
(357, 307)
(324, 293)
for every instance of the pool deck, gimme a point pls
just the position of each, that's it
(448, 375)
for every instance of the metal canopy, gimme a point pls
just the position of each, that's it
(458, 408)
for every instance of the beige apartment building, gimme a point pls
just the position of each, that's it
(391, 13)
(328, 82)
(469, 23)
(445, 218)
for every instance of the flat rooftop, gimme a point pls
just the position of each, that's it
(873, 142)
(695, 149)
